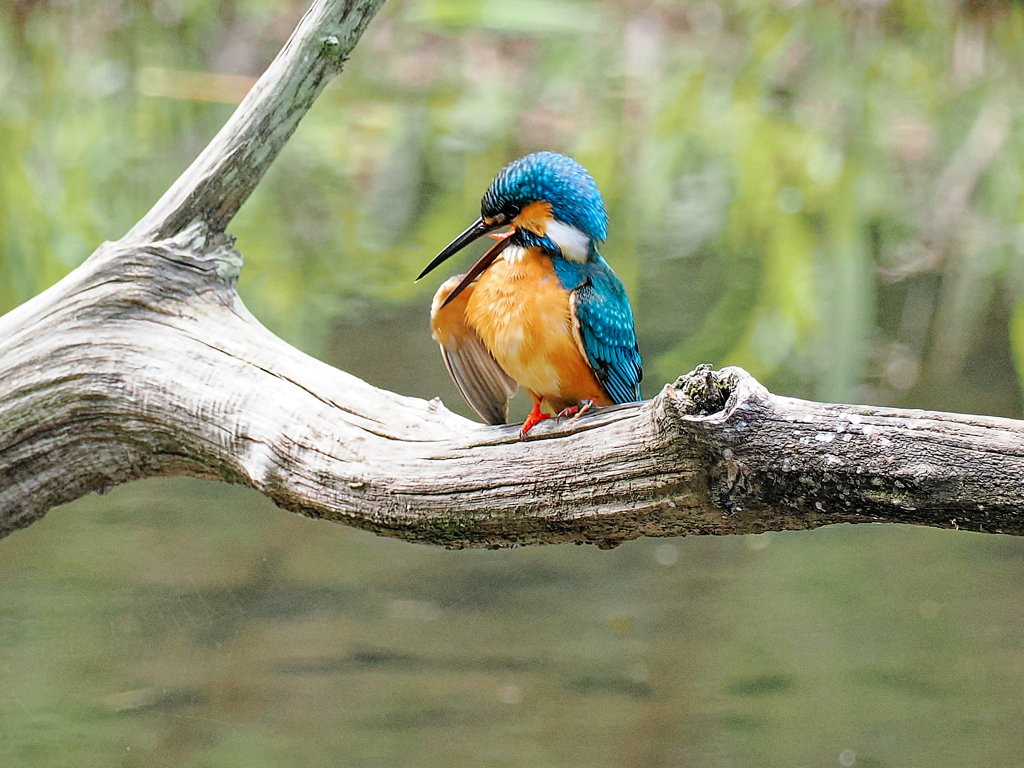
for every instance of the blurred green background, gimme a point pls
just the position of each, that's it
(828, 193)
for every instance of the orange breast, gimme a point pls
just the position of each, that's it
(521, 312)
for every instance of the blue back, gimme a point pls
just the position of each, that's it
(599, 302)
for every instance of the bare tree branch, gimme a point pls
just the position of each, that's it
(144, 362)
(225, 174)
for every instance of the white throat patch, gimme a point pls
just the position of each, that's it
(513, 254)
(575, 245)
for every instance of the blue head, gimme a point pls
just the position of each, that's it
(544, 187)
(548, 200)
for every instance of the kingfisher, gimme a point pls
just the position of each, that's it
(541, 309)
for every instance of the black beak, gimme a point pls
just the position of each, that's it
(476, 230)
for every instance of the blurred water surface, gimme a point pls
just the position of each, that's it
(828, 193)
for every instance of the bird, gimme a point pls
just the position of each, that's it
(541, 309)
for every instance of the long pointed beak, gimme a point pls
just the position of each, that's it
(476, 230)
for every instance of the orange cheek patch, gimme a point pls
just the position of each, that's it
(534, 218)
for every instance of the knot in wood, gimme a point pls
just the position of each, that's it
(705, 391)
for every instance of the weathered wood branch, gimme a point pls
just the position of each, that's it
(221, 179)
(144, 362)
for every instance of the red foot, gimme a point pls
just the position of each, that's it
(535, 418)
(576, 410)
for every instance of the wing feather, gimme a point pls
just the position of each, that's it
(479, 377)
(605, 333)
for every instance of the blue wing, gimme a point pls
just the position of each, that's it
(605, 323)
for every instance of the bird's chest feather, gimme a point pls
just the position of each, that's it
(521, 312)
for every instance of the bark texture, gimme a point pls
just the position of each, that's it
(143, 362)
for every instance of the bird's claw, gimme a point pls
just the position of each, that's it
(576, 410)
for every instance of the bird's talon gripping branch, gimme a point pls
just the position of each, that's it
(575, 410)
